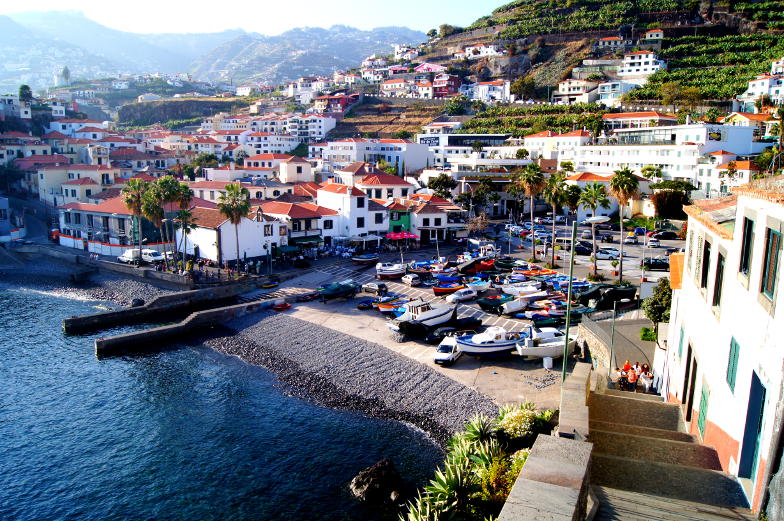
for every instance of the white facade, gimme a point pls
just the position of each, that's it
(638, 65)
(398, 152)
(768, 84)
(217, 242)
(488, 91)
(724, 346)
(575, 91)
(610, 92)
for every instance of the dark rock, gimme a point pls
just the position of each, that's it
(379, 484)
(137, 302)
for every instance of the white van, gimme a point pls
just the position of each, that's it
(564, 242)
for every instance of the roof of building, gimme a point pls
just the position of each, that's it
(81, 181)
(292, 210)
(321, 210)
(208, 217)
(426, 207)
(546, 133)
(286, 197)
(638, 53)
(721, 152)
(361, 168)
(718, 215)
(740, 165)
(769, 189)
(337, 188)
(84, 121)
(54, 135)
(268, 157)
(109, 193)
(430, 198)
(639, 115)
(588, 176)
(750, 116)
(610, 38)
(576, 133)
(382, 179)
(92, 129)
(295, 159)
(114, 205)
(77, 166)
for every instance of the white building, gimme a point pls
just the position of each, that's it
(724, 350)
(610, 92)
(488, 91)
(575, 91)
(70, 126)
(644, 119)
(443, 147)
(768, 84)
(638, 65)
(405, 155)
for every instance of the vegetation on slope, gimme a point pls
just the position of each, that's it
(163, 111)
(385, 120)
(522, 120)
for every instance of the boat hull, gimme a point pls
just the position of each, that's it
(472, 349)
(365, 260)
(547, 349)
(446, 290)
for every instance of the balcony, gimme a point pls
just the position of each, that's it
(313, 232)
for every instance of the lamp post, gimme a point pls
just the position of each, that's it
(612, 333)
(569, 303)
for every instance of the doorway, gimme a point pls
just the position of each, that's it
(752, 435)
(689, 383)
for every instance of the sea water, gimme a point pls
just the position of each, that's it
(185, 433)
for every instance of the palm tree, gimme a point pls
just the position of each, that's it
(555, 194)
(132, 196)
(593, 196)
(170, 193)
(152, 208)
(531, 182)
(234, 205)
(624, 186)
(187, 223)
(572, 199)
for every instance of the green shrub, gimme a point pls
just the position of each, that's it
(648, 334)
(518, 423)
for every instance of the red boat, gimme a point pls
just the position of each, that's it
(282, 306)
(446, 289)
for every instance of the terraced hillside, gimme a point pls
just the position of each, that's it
(523, 120)
(386, 119)
(719, 66)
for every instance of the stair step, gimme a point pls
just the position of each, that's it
(648, 432)
(710, 487)
(635, 396)
(656, 450)
(622, 505)
(630, 411)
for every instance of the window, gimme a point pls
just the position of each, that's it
(121, 225)
(295, 226)
(703, 416)
(770, 266)
(680, 344)
(437, 221)
(378, 193)
(404, 192)
(328, 224)
(360, 222)
(719, 280)
(746, 246)
(267, 230)
(105, 223)
(379, 217)
(212, 194)
(67, 218)
(360, 202)
(77, 218)
(426, 221)
(732, 364)
(88, 193)
(389, 193)
(706, 252)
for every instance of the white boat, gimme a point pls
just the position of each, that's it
(522, 301)
(389, 270)
(494, 340)
(521, 288)
(427, 313)
(478, 285)
(546, 341)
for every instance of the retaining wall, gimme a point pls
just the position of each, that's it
(149, 339)
(158, 308)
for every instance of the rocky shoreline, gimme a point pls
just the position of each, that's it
(51, 275)
(342, 371)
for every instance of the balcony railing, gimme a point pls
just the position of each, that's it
(305, 233)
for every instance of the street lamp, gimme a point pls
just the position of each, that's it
(612, 332)
(568, 300)
(593, 221)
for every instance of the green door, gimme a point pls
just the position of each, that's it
(703, 409)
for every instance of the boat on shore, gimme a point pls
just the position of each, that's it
(447, 288)
(546, 341)
(494, 340)
(427, 313)
(365, 258)
(389, 270)
(522, 301)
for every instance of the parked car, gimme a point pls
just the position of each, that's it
(667, 235)
(376, 288)
(653, 242)
(602, 254)
(412, 279)
(579, 249)
(448, 351)
(586, 234)
(654, 232)
(630, 239)
(131, 255)
(606, 237)
(462, 295)
(655, 264)
(560, 219)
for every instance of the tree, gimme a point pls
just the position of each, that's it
(25, 94)
(478, 106)
(240, 157)
(442, 185)
(235, 205)
(432, 33)
(386, 167)
(403, 134)
(445, 30)
(713, 114)
(651, 172)
(9, 176)
(456, 105)
(522, 153)
(657, 306)
(593, 196)
(554, 193)
(531, 182)
(152, 208)
(567, 167)
(66, 74)
(572, 197)
(170, 192)
(624, 186)
(186, 223)
(670, 93)
(523, 87)
(477, 146)
(484, 191)
(670, 197)
(690, 97)
(478, 224)
(132, 196)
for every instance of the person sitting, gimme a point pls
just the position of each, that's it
(637, 369)
(631, 377)
(616, 378)
(627, 366)
(646, 378)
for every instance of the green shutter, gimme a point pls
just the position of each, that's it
(770, 267)
(701, 419)
(680, 345)
(732, 364)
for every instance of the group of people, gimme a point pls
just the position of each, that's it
(629, 377)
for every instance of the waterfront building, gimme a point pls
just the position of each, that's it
(724, 349)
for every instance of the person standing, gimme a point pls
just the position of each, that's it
(631, 377)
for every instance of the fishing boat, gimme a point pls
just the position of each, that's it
(546, 341)
(494, 340)
(478, 284)
(390, 307)
(281, 306)
(491, 304)
(270, 285)
(505, 263)
(521, 288)
(447, 288)
(389, 270)
(521, 302)
(427, 313)
(365, 258)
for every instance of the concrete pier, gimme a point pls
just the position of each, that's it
(157, 309)
(150, 339)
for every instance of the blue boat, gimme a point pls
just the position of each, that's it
(495, 340)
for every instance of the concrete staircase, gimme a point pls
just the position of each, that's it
(644, 467)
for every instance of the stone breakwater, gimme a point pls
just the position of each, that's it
(51, 275)
(341, 371)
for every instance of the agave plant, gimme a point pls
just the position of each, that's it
(480, 429)
(452, 488)
(485, 453)
(421, 509)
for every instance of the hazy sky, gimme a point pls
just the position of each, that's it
(264, 16)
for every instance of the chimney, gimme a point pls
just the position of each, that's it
(232, 165)
(688, 119)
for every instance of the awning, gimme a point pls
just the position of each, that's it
(315, 239)
(288, 249)
(366, 238)
(402, 235)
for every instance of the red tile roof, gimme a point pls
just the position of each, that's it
(81, 181)
(321, 210)
(54, 135)
(114, 205)
(638, 115)
(431, 198)
(292, 210)
(637, 53)
(740, 165)
(336, 188)
(587, 176)
(546, 133)
(721, 152)
(268, 157)
(576, 133)
(92, 129)
(383, 180)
